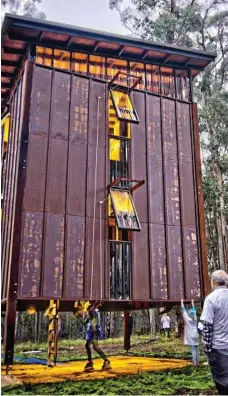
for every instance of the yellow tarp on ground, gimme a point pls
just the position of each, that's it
(121, 365)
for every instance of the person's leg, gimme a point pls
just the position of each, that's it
(88, 350)
(193, 350)
(197, 354)
(222, 390)
(99, 350)
(89, 364)
(169, 332)
(106, 365)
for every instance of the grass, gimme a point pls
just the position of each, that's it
(189, 380)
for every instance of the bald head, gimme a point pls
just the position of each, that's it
(219, 278)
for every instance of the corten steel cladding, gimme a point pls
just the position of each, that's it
(58, 223)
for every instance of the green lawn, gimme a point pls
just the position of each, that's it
(187, 381)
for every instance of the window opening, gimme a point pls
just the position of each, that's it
(137, 70)
(182, 85)
(124, 210)
(79, 63)
(44, 56)
(61, 59)
(153, 78)
(4, 149)
(167, 82)
(97, 67)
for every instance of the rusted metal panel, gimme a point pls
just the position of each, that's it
(139, 172)
(172, 193)
(56, 176)
(96, 178)
(35, 174)
(31, 253)
(184, 132)
(40, 101)
(192, 277)
(156, 191)
(95, 258)
(97, 90)
(153, 125)
(76, 179)
(199, 188)
(169, 129)
(158, 262)
(138, 131)
(53, 255)
(187, 194)
(74, 257)
(175, 264)
(60, 105)
(79, 110)
(140, 265)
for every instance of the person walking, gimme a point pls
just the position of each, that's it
(191, 336)
(93, 334)
(165, 320)
(215, 330)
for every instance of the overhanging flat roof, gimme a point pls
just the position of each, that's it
(18, 32)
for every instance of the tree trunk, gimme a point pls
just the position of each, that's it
(152, 320)
(221, 220)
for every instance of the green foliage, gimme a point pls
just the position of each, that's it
(23, 7)
(191, 381)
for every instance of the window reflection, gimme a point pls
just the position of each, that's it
(156, 79)
(79, 63)
(61, 59)
(182, 85)
(167, 82)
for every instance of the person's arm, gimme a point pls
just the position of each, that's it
(184, 313)
(207, 318)
(207, 334)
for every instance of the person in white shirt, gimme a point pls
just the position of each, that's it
(166, 324)
(191, 336)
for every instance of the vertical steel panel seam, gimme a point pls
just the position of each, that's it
(200, 203)
(45, 183)
(86, 191)
(148, 197)
(164, 200)
(3, 236)
(180, 201)
(7, 180)
(16, 166)
(196, 203)
(65, 215)
(106, 231)
(8, 197)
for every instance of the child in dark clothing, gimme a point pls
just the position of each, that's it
(93, 334)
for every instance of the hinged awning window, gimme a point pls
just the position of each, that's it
(124, 210)
(123, 106)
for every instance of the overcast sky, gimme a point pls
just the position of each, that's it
(94, 14)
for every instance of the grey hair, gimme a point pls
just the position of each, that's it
(220, 277)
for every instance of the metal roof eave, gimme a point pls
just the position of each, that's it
(75, 31)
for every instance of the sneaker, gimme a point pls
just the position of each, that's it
(106, 365)
(88, 367)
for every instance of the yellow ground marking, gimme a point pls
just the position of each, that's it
(121, 365)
